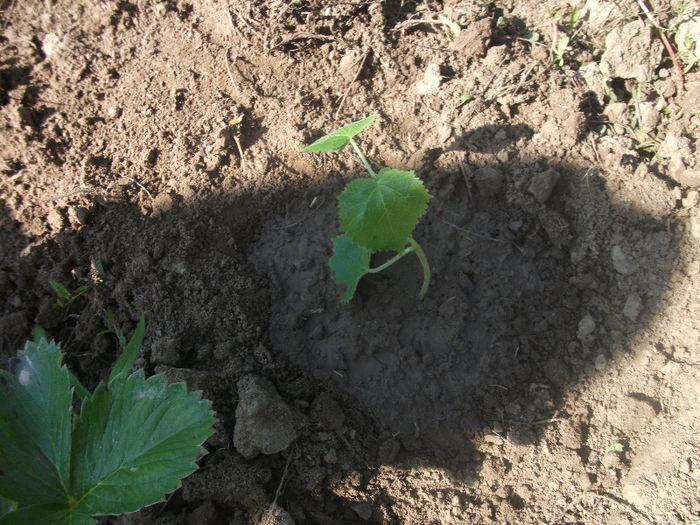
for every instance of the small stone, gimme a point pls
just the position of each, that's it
(348, 64)
(542, 185)
(78, 215)
(331, 457)
(363, 510)
(600, 362)
(489, 180)
(633, 306)
(327, 413)
(621, 261)
(114, 112)
(649, 117)
(56, 220)
(694, 223)
(690, 200)
(472, 40)
(586, 328)
(264, 423)
(430, 83)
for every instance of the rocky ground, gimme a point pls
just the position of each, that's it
(151, 152)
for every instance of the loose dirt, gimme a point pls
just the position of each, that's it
(551, 373)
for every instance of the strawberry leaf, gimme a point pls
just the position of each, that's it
(340, 138)
(35, 426)
(349, 264)
(381, 212)
(130, 446)
(134, 442)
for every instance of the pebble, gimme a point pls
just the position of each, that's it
(542, 185)
(690, 200)
(114, 112)
(600, 362)
(489, 180)
(621, 261)
(264, 423)
(331, 457)
(430, 83)
(55, 220)
(586, 328)
(363, 510)
(633, 306)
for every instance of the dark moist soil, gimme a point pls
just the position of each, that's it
(563, 236)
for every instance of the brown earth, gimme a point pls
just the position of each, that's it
(564, 238)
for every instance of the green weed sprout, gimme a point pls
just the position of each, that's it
(376, 213)
(129, 444)
(66, 297)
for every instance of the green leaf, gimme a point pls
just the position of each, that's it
(6, 506)
(349, 263)
(46, 515)
(126, 360)
(340, 138)
(35, 426)
(615, 447)
(381, 212)
(134, 442)
(464, 98)
(61, 290)
(573, 21)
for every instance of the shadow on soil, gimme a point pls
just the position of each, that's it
(524, 298)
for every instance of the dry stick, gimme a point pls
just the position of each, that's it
(230, 75)
(347, 91)
(276, 21)
(666, 43)
(140, 186)
(235, 86)
(278, 492)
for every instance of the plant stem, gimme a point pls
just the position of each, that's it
(391, 261)
(362, 158)
(426, 268)
(415, 247)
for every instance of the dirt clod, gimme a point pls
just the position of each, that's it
(264, 423)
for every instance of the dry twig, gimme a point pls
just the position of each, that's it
(667, 44)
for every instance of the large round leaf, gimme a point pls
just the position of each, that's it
(380, 212)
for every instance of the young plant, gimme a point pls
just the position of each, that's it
(66, 297)
(376, 213)
(129, 444)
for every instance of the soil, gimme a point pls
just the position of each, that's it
(550, 375)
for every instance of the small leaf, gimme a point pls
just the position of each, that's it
(562, 45)
(100, 269)
(126, 360)
(134, 442)
(454, 27)
(349, 263)
(35, 426)
(340, 138)
(615, 447)
(574, 18)
(6, 506)
(61, 290)
(464, 98)
(381, 212)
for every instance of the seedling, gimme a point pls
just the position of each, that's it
(376, 213)
(129, 444)
(65, 296)
(615, 447)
